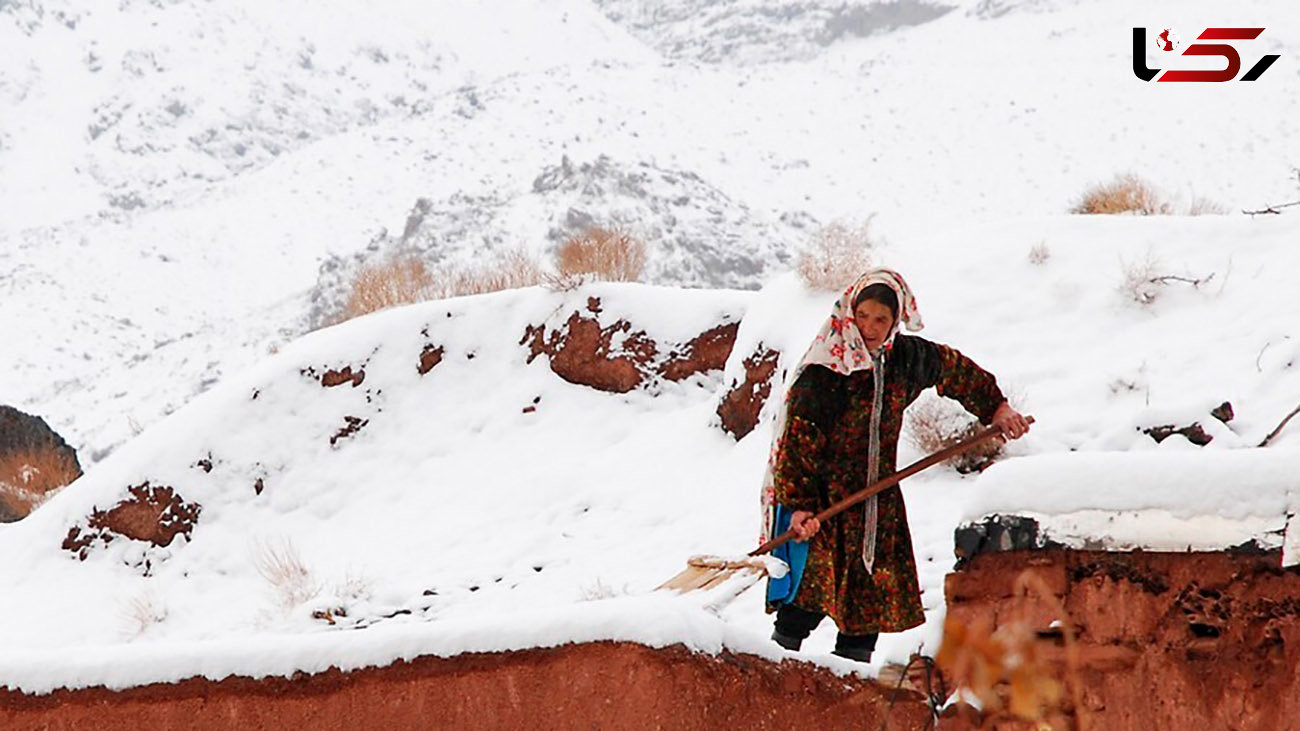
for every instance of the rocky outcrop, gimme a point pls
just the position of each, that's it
(743, 402)
(602, 685)
(618, 357)
(34, 462)
(1164, 640)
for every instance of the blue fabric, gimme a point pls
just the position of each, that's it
(795, 555)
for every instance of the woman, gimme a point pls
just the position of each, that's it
(837, 432)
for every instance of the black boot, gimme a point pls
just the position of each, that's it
(855, 647)
(790, 643)
(793, 625)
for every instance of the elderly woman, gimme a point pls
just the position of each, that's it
(837, 433)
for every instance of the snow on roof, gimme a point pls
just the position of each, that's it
(1159, 500)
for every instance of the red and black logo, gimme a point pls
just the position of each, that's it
(1167, 40)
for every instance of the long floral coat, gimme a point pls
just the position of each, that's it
(823, 459)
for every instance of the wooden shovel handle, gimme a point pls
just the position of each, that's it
(866, 492)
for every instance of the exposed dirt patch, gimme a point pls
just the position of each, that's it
(1194, 433)
(352, 425)
(741, 406)
(602, 685)
(707, 351)
(618, 357)
(429, 357)
(1165, 640)
(152, 514)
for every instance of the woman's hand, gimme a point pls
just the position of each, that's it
(804, 525)
(1012, 424)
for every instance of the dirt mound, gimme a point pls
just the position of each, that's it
(601, 685)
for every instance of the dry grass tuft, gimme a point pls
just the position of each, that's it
(1039, 254)
(599, 591)
(397, 280)
(282, 567)
(935, 423)
(143, 612)
(836, 255)
(29, 477)
(611, 255)
(1127, 193)
(405, 279)
(1140, 279)
(1206, 207)
(513, 269)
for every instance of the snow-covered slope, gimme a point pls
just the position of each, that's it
(488, 504)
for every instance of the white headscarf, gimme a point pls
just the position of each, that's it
(839, 346)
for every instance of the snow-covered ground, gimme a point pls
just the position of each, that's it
(175, 176)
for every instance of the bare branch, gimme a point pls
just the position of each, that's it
(1279, 428)
(1163, 278)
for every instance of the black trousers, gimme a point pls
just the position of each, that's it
(792, 621)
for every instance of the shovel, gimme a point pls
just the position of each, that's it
(708, 572)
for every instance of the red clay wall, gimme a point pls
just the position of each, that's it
(1167, 640)
(594, 686)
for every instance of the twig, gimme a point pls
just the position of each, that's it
(1274, 433)
(1163, 278)
(930, 698)
(1267, 345)
(1270, 209)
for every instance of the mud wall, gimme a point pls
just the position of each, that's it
(1164, 640)
(593, 686)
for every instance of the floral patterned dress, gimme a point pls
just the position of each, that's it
(822, 459)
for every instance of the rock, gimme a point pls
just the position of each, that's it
(35, 462)
(1222, 412)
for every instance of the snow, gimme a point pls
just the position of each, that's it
(158, 268)
(1164, 500)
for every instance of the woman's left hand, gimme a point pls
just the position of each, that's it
(1010, 421)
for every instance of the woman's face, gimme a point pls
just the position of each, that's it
(873, 321)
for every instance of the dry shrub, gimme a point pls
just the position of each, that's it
(1127, 193)
(935, 423)
(511, 270)
(282, 567)
(405, 279)
(397, 280)
(611, 255)
(29, 477)
(836, 255)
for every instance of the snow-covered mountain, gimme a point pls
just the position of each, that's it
(175, 176)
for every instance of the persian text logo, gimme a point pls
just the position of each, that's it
(1167, 40)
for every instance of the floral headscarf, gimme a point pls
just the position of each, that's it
(839, 346)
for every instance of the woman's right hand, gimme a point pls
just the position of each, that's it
(804, 525)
